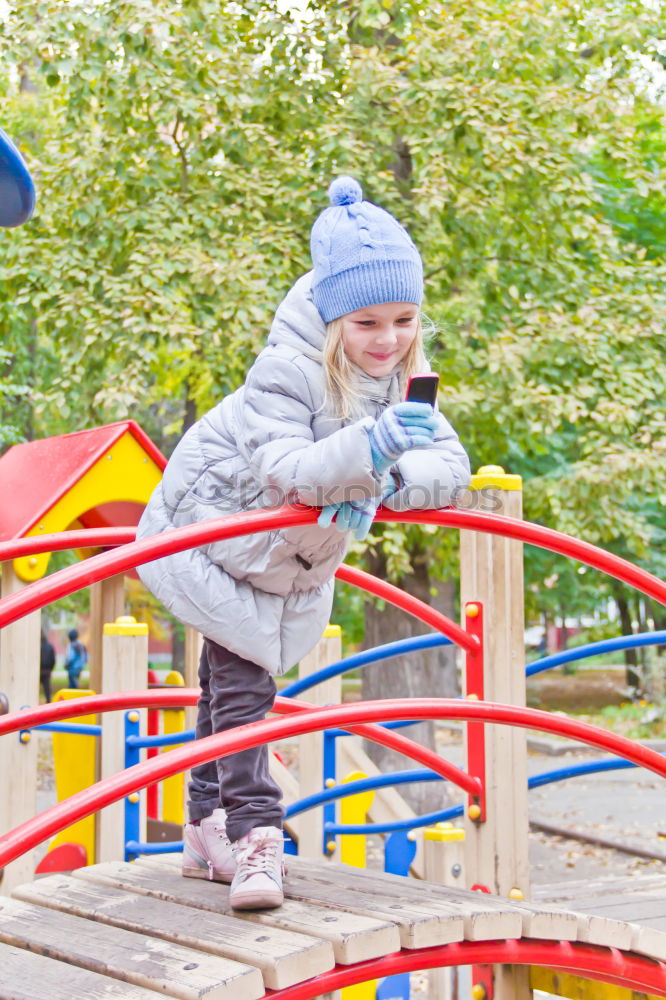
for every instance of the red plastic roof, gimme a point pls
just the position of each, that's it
(35, 475)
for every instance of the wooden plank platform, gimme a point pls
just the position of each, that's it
(637, 905)
(134, 930)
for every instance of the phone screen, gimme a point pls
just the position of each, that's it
(423, 389)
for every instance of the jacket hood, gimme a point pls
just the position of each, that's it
(298, 325)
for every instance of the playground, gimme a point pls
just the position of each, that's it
(544, 876)
(506, 940)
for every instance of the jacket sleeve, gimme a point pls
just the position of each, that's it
(277, 441)
(431, 477)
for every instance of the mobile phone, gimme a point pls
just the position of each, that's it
(423, 388)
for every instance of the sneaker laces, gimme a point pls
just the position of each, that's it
(260, 855)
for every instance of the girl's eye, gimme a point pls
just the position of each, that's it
(405, 320)
(366, 322)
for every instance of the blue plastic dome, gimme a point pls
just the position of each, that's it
(17, 192)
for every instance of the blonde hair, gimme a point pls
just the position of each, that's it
(343, 394)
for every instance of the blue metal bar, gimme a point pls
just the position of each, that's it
(329, 765)
(594, 649)
(591, 767)
(171, 739)
(353, 787)
(403, 824)
(401, 777)
(135, 847)
(69, 727)
(396, 724)
(362, 659)
(132, 809)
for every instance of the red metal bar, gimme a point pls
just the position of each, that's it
(58, 541)
(606, 965)
(99, 567)
(162, 698)
(373, 585)
(396, 741)
(35, 830)
(537, 534)
(152, 729)
(476, 731)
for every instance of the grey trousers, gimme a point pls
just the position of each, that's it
(234, 691)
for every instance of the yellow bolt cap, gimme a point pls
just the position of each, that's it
(478, 992)
(125, 625)
(472, 610)
(330, 782)
(25, 737)
(133, 797)
(330, 846)
(474, 811)
(133, 716)
(32, 561)
(516, 894)
(472, 697)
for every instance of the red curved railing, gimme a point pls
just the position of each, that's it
(99, 567)
(22, 838)
(59, 541)
(96, 568)
(30, 718)
(608, 965)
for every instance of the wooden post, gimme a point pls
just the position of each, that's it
(193, 647)
(443, 857)
(491, 574)
(124, 668)
(19, 681)
(311, 746)
(107, 603)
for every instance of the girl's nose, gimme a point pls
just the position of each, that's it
(385, 335)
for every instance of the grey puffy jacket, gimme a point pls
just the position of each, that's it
(267, 597)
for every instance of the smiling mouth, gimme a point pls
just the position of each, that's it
(381, 357)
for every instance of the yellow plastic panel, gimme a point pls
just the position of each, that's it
(123, 473)
(173, 794)
(563, 984)
(354, 809)
(74, 758)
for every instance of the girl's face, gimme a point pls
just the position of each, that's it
(377, 338)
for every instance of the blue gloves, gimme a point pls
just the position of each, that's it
(399, 428)
(355, 515)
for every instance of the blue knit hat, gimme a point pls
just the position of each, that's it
(362, 256)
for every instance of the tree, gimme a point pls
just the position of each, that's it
(182, 151)
(172, 201)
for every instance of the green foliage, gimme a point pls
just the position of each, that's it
(182, 148)
(10, 395)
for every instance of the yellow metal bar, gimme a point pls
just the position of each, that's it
(173, 795)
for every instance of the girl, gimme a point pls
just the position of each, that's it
(319, 421)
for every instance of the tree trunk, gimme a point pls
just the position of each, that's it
(427, 673)
(630, 661)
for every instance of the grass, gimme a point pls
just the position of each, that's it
(640, 720)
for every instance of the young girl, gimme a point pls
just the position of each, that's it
(319, 421)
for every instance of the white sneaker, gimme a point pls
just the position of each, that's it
(257, 883)
(207, 850)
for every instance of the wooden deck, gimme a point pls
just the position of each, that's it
(130, 930)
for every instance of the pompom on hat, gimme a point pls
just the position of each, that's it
(362, 256)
